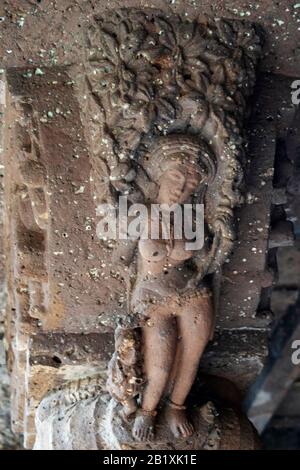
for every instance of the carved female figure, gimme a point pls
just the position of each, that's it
(178, 312)
(168, 98)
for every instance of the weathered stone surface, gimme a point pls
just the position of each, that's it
(47, 274)
(57, 283)
(64, 27)
(92, 422)
(7, 438)
(53, 333)
(236, 355)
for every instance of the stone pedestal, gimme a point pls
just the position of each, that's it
(67, 421)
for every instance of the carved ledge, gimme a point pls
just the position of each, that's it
(83, 419)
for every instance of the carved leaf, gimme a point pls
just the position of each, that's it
(102, 66)
(215, 50)
(131, 45)
(218, 74)
(127, 74)
(102, 84)
(153, 54)
(225, 32)
(146, 118)
(218, 97)
(194, 46)
(144, 92)
(130, 138)
(195, 63)
(110, 47)
(165, 32)
(165, 110)
(123, 31)
(94, 36)
(188, 35)
(200, 82)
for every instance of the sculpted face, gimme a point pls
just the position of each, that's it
(178, 183)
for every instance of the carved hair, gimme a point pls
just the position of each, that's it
(182, 149)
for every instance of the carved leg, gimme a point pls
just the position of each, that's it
(159, 348)
(195, 325)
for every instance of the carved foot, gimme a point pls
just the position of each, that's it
(176, 418)
(143, 428)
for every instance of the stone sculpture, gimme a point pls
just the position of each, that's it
(167, 100)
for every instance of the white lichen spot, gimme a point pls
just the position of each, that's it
(80, 190)
(39, 72)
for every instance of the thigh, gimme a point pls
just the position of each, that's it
(163, 312)
(196, 314)
(159, 341)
